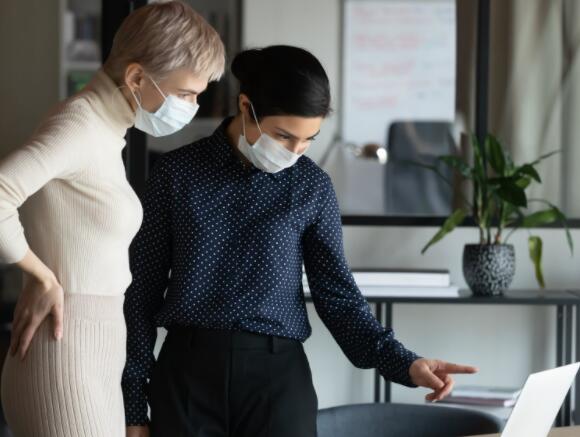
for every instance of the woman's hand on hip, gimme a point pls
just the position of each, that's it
(436, 375)
(137, 431)
(41, 297)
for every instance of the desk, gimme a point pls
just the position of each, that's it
(566, 302)
(573, 431)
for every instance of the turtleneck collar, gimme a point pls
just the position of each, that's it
(110, 103)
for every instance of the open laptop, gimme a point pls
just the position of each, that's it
(539, 402)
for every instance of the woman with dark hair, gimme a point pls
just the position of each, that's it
(229, 221)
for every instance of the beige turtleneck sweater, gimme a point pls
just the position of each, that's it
(78, 213)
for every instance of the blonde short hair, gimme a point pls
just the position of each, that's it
(164, 36)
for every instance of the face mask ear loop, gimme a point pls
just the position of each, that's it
(243, 125)
(157, 86)
(135, 97)
(256, 118)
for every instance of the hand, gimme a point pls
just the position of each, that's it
(39, 299)
(137, 431)
(435, 374)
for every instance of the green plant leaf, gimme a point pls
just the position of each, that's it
(530, 171)
(509, 164)
(563, 220)
(507, 212)
(521, 182)
(510, 192)
(451, 223)
(496, 181)
(480, 182)
(540, 218)
(495, 154)
(457, 163)
(515, 218)
(535, 248)
(541, 158)
(524, 182)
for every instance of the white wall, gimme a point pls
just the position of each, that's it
(506, 343)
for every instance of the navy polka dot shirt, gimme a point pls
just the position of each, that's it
(222, 247)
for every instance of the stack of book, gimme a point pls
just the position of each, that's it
(483, 396)
(402, 283)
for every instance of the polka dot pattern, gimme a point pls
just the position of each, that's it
(222, 247)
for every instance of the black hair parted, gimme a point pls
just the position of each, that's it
(283, 80)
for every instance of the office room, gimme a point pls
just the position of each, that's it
(289, 218)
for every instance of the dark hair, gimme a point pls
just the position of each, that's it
(283, 80)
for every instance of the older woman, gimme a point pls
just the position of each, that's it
(63, 376)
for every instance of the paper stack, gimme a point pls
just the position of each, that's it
(485, 396)
(402, 283)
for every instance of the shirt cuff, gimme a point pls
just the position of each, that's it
(394, 365)
(135, 400)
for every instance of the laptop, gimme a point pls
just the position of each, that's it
(539, 402)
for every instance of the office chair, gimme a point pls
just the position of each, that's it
(404, 420)
(410, 189)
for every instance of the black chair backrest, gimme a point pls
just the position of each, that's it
(404, 420)
(410, 189)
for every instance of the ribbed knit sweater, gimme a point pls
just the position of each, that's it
(78, 213)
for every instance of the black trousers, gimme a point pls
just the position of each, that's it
(231, 384)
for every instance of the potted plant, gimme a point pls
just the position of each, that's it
(499, 204)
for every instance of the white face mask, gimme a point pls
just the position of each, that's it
(266, 153)
(173, 115)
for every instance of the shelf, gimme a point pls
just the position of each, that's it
(510, 297)
(79, 24)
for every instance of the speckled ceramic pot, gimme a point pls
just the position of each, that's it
(489, 268)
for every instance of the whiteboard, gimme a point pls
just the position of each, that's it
(398, 64)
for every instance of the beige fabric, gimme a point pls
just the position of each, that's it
(71, 388)
(535, 90)
(79, 213)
